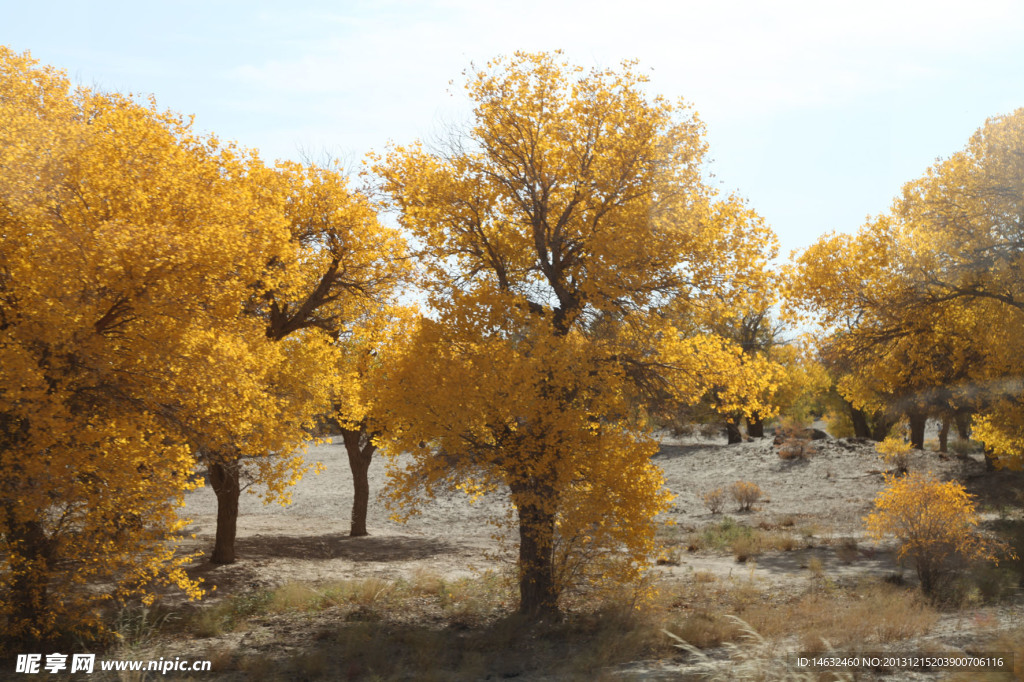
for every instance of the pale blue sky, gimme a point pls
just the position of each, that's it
(817, 112)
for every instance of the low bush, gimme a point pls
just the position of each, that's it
(746, 494)
(793, 442)
(936, 526)
(714, 499)
(896, 453)
(962, 448)
(746, 547)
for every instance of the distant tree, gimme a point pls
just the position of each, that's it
(341, 269)
(367, 353)
(926, 304)
(757, 335)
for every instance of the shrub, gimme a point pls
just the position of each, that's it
(710, 430)
(714, 499)
(746, 494)
(669, 556)
(896, 453)
(794, 442)
(797, 448)
(746, 547)
(935, 523)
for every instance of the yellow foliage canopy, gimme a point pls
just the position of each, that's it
(925, 305)
(574, 261)
(128, 247)
(934, 522)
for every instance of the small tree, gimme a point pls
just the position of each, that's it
(340, 267)
(935, 523)
(366, 350)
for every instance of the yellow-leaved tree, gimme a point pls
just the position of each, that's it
(340, 272)
(573, 260)
(925, 306)
(891, 353)
(128, 245)
(367, 350)
(963, 226)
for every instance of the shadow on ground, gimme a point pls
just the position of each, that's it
(670, 452)
(365, 646)
(857, 563)
(994, 489)
(338, 546)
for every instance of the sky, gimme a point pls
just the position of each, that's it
(816, 112)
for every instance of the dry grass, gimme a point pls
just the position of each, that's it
(229, 614)
(465, 600)
(847, 550)
(751, 658)
(1006, 642)
(743, 541)
(746, 547)
(430, 628)
(412, 645)
(704, 629)
(787, 543)
(811, 531)
(875, 613)
(870, 613)
(757, 627)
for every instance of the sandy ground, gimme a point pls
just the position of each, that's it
(829, 494)
(308, 540)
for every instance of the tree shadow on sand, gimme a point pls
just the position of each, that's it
(342, 546)
(670, 452)
(255, 552)
(859, 563)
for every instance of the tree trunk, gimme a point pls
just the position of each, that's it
(918, 420)
(990, 460)
(29, 587)
(538, 593)
(755, 426)
(963, 425)
(944, 433)
(860, 423)
(881, 427)
(732, 430)
(224, 477)
(360, 448)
